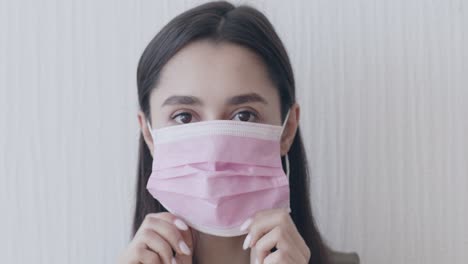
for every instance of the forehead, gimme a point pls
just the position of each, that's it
(214, 71)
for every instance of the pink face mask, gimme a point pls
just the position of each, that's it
(216, 174)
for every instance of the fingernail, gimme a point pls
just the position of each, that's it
(180, 224)
(246, 224)
(185, 249)
(174, 261)
(246, 242)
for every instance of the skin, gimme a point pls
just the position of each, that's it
(217, 81)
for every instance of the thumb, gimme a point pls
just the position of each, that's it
(187, 235)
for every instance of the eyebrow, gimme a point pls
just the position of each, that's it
(246, 98)
(235, 100)
(182, 100)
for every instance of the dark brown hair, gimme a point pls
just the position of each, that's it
(245, 26)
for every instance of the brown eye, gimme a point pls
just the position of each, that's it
(183, 118)
(244, 116)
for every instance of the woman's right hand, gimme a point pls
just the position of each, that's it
(159, 235)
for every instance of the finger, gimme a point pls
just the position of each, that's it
(147, 256)
(264, 221)
(184, 229)
(283, 242)
(157, 244)
(167, 231)
(280, 256)
(301, 245)
(181, 258)
(266, 243)
(284, 234)
(276, 238)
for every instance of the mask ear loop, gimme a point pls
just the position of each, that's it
(285, 122)
(150, 129)
(286, 156)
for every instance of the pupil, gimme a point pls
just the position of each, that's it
(244, 116)
(186, 118)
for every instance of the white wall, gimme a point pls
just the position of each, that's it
(384, 93)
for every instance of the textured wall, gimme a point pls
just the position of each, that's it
(384, 94)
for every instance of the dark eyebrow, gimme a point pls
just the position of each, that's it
(182, 99)
(246, 98)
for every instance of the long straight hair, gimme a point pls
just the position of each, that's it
(245, 26)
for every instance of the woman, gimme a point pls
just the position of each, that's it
(213, 63)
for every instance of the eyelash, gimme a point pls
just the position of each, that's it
(254, 114)
(184, 112)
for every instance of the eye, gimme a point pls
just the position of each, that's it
(183, 118)
(245, 116)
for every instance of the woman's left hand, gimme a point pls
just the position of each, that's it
(275, 228)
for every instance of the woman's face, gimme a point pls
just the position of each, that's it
(208, 81)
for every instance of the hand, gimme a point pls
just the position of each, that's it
(158, 236)
(275, 228)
